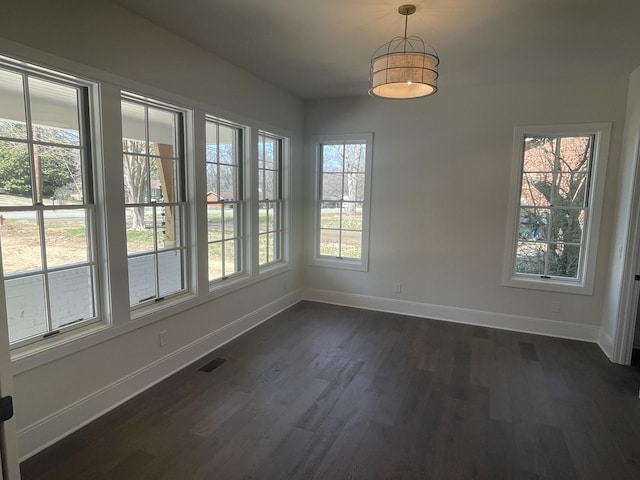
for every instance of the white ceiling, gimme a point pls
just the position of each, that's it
(322, 48)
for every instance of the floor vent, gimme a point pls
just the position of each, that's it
(212, 365)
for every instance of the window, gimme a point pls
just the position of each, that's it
(270, 199)
(155, 207)
(225, 205)
(47, 209)
(558, 180)
(342, 200)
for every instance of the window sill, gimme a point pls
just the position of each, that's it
(549, 285)
(345, 264)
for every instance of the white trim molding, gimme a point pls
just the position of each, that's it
(515, 323)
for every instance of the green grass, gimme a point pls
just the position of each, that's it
(8, 200)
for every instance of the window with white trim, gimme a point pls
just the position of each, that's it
(270, 199)
(47, 210)
(556, 201)
(342, 200)
(155, 205)
(225, 205)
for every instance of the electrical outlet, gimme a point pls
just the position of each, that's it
(162, 338)
(397, 288)
(555, 307)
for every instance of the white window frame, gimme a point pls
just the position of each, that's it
(280, 209)
(361, 264)
(584, 283)
(239, 203)
(88, 125)
(182, 204)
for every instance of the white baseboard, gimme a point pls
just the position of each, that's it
(605, 342)
(516, 323)
(54, 427)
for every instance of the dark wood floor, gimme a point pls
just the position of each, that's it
(327, 392)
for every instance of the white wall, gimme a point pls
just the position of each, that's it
(55, 397)
(439, 201)
(619, 300)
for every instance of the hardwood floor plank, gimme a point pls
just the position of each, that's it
(328, 392)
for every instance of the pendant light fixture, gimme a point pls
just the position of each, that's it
(406, 67)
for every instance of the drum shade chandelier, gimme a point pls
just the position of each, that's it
(406, 67)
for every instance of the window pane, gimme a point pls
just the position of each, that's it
(212, 141)
(570, 189)
(168, 222)
(139, 221)
(261, 185)
(351, 244)
(330, 243)
(530, 258)
(215, 261)
(539, 154)
(230, 223)
(66, 237)
(213, 189)
(567, 225)
(26, 310)
(274, 216)
(264, 217)
(142, 279)
(230, 266)
(170, 274)
(262, 248)
(270, 185)
(136, 179)
(354, 158)
(15, 172)
(329, 217)
(267, 248)
(163, 180)
(134, 138)
(20, 235)
(60, 172)
(162, 132)
(271, 250)
(564, 260)
(533, 224)
(227, 145)
(260, 152)
(354, 187)
(351, 216)
(228, 177)
(332, 186)
(72, 294)
(214, 215)
(12, 112)
(536, 189)
(333, 158)
(270, 151)
(575, 153)
(54, 112)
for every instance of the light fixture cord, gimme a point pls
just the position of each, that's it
(406, 20)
